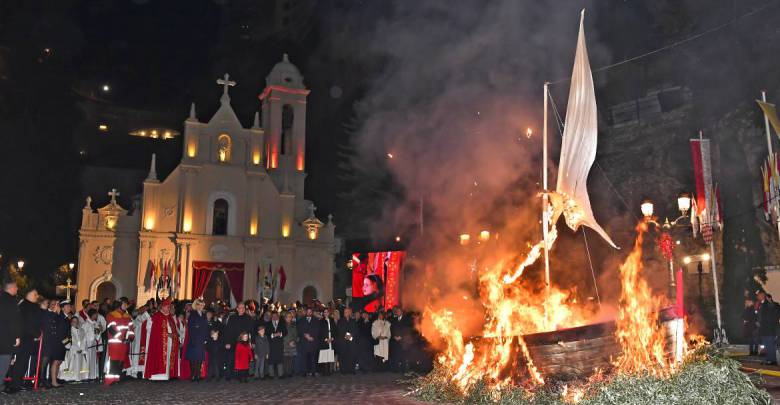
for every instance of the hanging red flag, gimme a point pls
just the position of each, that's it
(149, 277)
(282, 278)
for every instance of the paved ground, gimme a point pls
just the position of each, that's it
(380, 388)
(771, 383)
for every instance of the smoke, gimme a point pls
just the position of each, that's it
(457, 90)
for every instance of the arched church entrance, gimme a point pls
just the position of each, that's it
(218, 288)
(309, 295)
(105, 290)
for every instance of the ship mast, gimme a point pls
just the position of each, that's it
(545, 198)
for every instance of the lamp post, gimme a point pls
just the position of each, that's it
(20, 265)
(683, 204)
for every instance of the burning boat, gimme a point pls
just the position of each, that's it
(531, 334)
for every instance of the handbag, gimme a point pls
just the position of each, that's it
(326, 356)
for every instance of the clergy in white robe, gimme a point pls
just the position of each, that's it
(91, 329)
(74, 367)
(141, 327)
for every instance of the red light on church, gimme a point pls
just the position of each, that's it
(273, 157)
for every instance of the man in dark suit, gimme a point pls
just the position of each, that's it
(346, 337)
(11, 321)
(276, 330)
(399, 340)
(767, 328)
(309, 333)
(32, 318)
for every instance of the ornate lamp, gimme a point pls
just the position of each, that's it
(684, 203)
(647, 208)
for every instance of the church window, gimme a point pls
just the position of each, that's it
(287, 125)
(220, 218)
(224, 146)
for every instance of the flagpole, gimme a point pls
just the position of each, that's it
(545, 198)
(720, 336)
(766, 125)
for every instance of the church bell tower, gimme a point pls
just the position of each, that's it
(284, 120)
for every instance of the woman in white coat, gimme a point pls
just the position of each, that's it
(380, 330)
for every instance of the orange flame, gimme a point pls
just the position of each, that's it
(638, 331)
(514, 309)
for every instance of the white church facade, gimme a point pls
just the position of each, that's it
(233, 208)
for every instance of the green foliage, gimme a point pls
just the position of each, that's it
(22, 281)
(707, 378)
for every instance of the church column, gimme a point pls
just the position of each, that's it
(299, 134)
(185, 199)
(251, 252)
(274, 139)
(187, 272)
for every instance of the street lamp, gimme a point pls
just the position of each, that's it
(684, 203)
(71, 265)
(647, 208)
(20, 264)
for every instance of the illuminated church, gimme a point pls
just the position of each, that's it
(231, 209)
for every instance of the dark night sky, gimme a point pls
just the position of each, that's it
(161, 55)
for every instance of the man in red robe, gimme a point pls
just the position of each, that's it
(163, 346)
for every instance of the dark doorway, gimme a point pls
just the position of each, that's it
(105, 290)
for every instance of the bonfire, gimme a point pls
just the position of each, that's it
(506, 362)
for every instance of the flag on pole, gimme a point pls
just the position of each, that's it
(702, 171)
(274, 284)
(177, 280)
(282, 278)
(771, 114)
(771, 187)
(578, 150)
(149, 275)
(259, 283)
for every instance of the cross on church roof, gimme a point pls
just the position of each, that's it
(312, 208)
(226, 84)
(113, 194)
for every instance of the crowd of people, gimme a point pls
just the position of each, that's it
(111, 341)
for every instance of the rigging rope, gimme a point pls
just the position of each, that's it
(680, 42)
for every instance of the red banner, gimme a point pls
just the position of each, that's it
(698, 159)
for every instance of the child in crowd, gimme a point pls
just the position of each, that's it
(243, 357)
(214, 348)
(262, 350)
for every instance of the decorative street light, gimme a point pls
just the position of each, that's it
(20, 264)
(684, 205)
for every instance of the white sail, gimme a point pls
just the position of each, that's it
(578, 151)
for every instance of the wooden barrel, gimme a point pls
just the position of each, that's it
(575, 352)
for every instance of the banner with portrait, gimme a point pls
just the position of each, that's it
(376, 279)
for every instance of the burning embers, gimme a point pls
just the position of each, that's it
(529, 336)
